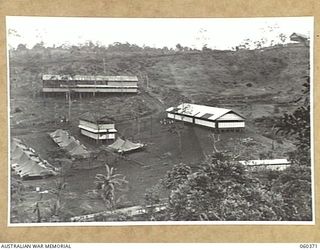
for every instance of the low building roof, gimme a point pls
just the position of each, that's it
(200, 111)
(265, 162)
(96, 118)
(90, 78)
(69, 143)
(124, 146)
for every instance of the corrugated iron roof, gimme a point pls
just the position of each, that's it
(200, 111)
(91, 78)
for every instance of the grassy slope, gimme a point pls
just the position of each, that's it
(251, 82)
(272, 70)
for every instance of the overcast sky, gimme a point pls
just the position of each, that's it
(217, 33)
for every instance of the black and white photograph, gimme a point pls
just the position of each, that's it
(160, 121)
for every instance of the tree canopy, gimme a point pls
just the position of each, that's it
(223, 190)
(297, 126)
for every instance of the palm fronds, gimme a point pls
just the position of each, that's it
(108, 183)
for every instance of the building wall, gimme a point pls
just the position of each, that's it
(231, 124)
(187, 119)
(106, 126)
(96, 126)
(72, 83)
(122, 84)
(225, 123)
(210, 124)
(90, 90)
(276, 167)
(96, 136)
(180, 117)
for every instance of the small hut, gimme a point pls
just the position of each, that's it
(299, 38)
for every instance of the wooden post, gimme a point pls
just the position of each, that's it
(104, 66)
(151, 124)
(147, 82)
(95, 83)
(69, 106)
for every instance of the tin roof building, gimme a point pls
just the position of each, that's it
(97, 127)
(89, 84)
(272, 164)
(212, 117)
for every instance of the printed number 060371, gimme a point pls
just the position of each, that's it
(308, 245)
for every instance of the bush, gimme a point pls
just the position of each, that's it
(249, 84)
(17, 110)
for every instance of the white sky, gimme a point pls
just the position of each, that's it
(218, 33)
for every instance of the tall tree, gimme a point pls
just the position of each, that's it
(221, 190)
(295, 184)
(297, 126)
(176, 176)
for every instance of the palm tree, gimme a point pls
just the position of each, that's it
(108, 183)
(57, 191)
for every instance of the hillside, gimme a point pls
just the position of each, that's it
(198, 75)
(257, 83)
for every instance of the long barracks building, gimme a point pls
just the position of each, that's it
(89, 84)
(212, 117)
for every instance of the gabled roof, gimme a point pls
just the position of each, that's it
(298, 34)
(124, 146)
(69, 143)
(90, 78)
(294, 36)
(96, 118)
(26, 163)
(200, 111)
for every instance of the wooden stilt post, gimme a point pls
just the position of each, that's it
(151, 124)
